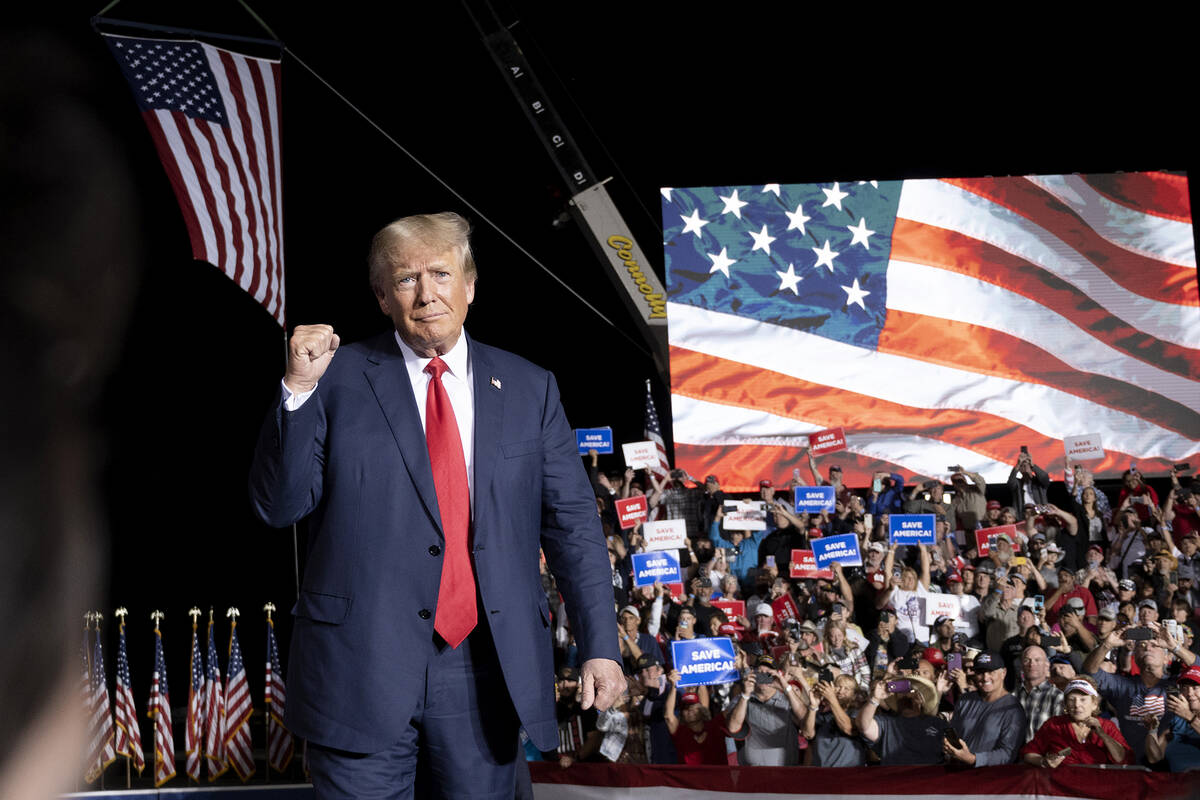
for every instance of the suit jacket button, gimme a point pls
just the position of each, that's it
(424, 613)
(434, 550)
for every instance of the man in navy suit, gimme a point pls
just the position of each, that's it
(432, 468)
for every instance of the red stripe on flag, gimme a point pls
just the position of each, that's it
(205, 182)
(252, 199)
(717, 380)
(990, 352)
(955, 252)
(220, 184)
(178, 185)
(1155, 193)
(1137, 274)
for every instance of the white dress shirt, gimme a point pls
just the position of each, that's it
(459, 388)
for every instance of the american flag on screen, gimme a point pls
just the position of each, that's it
(194, 736)
(159, 710)
(214, 710)
(129, 733)
(940, 322)
(100, 727)
(214, 117)
(279, 739)
(237, 711)
(662, 470)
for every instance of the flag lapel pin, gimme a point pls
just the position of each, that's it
(496, 383)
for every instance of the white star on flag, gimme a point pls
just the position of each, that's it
(797, 218)
(789, 279)
(666, 193)
(693, 224)
(855, 295)
(733, 205)
(873, 183)
(825, 256)
(860, 233)
(721, 262)
(771, 187)
(762, 240)
(834, 196)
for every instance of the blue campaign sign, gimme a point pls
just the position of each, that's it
(814, 499)
(661, 565)
(703, 662)
(912, 529)
(842, 549)
(598, 439)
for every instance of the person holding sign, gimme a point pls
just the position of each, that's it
(699, 737)
(768, 714)
(904, 594)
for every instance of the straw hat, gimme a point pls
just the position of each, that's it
(924, 689)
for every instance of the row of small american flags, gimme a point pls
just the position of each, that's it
(216, 730)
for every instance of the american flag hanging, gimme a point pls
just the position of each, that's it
(159, 710)
(194, 735)
(237, 711)
(129, 732)
(214, 117)
(214, 711)
(653, 432)
(940, 322)
(100, 728)
(85, 682)
(279, 739)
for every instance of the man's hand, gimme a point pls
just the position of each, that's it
(310, 350)
(601, 681)
(961, 753)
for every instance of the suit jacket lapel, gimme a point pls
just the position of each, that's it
(389, 381)
(489, 420)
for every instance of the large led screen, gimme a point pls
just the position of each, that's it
(938, 322)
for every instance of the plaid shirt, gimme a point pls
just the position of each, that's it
(1040, 704)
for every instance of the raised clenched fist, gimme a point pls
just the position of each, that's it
(310, 350)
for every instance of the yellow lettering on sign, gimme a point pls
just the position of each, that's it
(624, 248)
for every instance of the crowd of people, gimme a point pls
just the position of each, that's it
(1072, 642)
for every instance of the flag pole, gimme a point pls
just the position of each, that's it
(96, 618)
(120, 614)
(269, 607)
(87, 660)
(195, 613)
(157, 616)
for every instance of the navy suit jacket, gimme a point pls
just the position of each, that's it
(354, 459)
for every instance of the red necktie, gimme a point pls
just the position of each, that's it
(456, 612)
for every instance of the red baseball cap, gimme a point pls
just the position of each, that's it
(689, 699)
(1191, 675)
(765, 483)
(935, 656)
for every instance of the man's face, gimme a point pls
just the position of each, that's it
(835, 476)
(686, 624)
(936, 493)
(1035, 665)
(988, 681)
(1066, 580)
(735, 537)
(1188, 545)
(1147, 614)
(1105, 626)
(1150, 655)
(427, 296)
(704, 592)
(1026, 619)
(650, 676)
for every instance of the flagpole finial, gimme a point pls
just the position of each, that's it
(194, 613)
(96, 617)
(87, 620)
(269, 607)
(233, 612)
(157, 616)
(121, 613)
(210, 615)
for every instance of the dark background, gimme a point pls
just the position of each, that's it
(674, 97)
